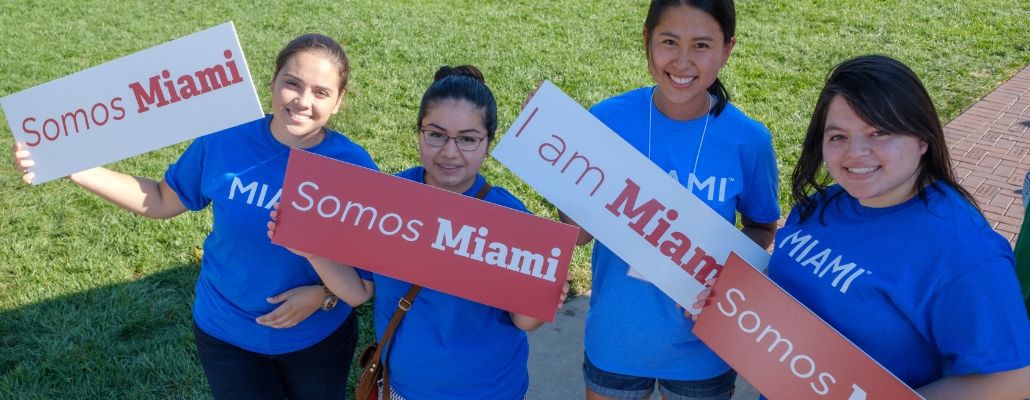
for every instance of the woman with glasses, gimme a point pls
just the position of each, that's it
(446, 347)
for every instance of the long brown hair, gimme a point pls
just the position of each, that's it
(317, 44)
(887, 95)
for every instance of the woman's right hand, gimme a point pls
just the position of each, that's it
(530, 96)
(22, 162)
(702, 300)
(274, 215)
(139, 195)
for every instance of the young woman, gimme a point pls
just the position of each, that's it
(685, 124)
(446, 347)
(258, 328)
(931, 293)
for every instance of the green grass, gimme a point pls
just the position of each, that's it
(95, 302)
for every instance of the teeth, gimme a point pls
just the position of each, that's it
(297, 117)
(683, 80)
(861, 170)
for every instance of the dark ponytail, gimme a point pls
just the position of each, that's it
(464, 82)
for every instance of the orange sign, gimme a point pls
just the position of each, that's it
(782, 348)
(424, 235)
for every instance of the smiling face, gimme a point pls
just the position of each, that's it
(305, 93)
(878, 168)
(448, 167)
(686, 50)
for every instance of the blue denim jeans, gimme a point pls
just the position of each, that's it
(627, 387)
(317, 372)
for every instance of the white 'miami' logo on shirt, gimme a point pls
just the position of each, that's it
(713, 185)
(252, 190)
(802, 251)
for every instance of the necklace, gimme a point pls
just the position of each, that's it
(650, 108)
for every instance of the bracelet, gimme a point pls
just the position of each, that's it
(330, 299)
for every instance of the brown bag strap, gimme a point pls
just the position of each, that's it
(484, 190)
(403, 305)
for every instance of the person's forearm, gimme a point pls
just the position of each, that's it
(762, 234)
(584, 236)
(342, 280)
(525, 323)
(142, 196)
(1006, 385)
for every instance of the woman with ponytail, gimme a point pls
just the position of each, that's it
(636, 338)
(446, 347)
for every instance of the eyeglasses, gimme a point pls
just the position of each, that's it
(439, 139)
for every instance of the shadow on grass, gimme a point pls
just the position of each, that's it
(131, 340)
(127, 341)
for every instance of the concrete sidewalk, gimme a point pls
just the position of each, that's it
(556, 357)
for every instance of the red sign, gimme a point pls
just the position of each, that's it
(424, 235)
(782, 348)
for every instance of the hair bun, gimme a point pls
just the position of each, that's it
(461, 70)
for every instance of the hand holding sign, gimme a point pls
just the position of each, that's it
(703, 298)
(182, 89)
(272, 216)
(22, 162)
(445, 241)
(782, 348)
(617, 194)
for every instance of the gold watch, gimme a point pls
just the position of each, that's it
(330, 299)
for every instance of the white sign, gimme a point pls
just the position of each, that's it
(614, 192)
(157, 97)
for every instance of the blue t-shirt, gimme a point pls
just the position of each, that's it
(240, 170)
(926, 288)
(632, 327)
(447, 347)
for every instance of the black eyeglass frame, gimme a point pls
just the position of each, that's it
(425, 132)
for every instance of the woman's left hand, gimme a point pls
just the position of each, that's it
(273, 217)
(295, 305)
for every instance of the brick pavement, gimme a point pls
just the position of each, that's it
(990, 151)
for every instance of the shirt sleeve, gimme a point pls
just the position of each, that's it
(977, 320)
(760, 202)
(503, 197)
(364, 275)
(186, 175)
(365, 160)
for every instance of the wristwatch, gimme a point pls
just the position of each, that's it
(330, 299)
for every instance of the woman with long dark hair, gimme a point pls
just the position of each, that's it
(895, 255)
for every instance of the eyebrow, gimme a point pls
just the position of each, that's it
(677, 37)
(438, 127)
(292, 76)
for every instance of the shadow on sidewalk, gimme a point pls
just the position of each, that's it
(556, 357)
